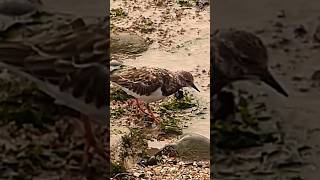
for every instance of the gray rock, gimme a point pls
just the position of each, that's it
(18, 7)
(316, 35)
(127, 43)
(190, 147)
(114, 65)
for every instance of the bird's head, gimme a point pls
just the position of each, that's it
(186, 79)
(242, 56)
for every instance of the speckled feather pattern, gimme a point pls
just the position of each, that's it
(146, 80)
(233, 52)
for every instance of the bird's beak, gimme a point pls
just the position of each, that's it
(270, 80)
(195, 87)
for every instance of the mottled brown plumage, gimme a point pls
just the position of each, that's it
(151, 84)
(146, 81)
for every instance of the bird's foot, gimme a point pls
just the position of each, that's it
(90, 150)
(131, 102)
(90, 143)
(153, 117)
(136, 104)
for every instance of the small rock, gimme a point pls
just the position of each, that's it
(300, 31)
(281, 14)
(284, 41)
(115, 63)
(173, 169)
(297, 78)
(188, 163)
(164, 170)
(316, 35)
(136, 174)
(278, 25)
(192, 147)
(303, 89)
(260, 31)
(286, 50)
(316, 75)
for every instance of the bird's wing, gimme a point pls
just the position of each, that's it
(142, 81)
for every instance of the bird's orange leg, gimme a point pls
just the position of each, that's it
(139, 107)
(150, 113)
(153, 117)
(90, 139)
(135, 101)
(130, 102)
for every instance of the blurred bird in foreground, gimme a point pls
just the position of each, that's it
(240, 55)
(237, 55)
(70, 67)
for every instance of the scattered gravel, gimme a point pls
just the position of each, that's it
(172, 169)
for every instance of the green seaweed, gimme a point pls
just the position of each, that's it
(146, 26)
(247, 117)
(186, 3)
(117, 112)
(133, 144)
(119, 95)
(174, 104)
(170, 125)
(24, 103)
(240, 134)
(117, 168)
(118, 12)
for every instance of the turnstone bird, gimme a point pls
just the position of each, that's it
(151, 84)
(16, 8)
(240, 55)
(70, 67)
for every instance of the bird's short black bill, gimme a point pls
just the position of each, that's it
(194, 87)
(270, 80)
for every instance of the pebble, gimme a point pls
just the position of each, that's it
(300, 31)
(316, 75)
(316, 35)
(136, 174)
